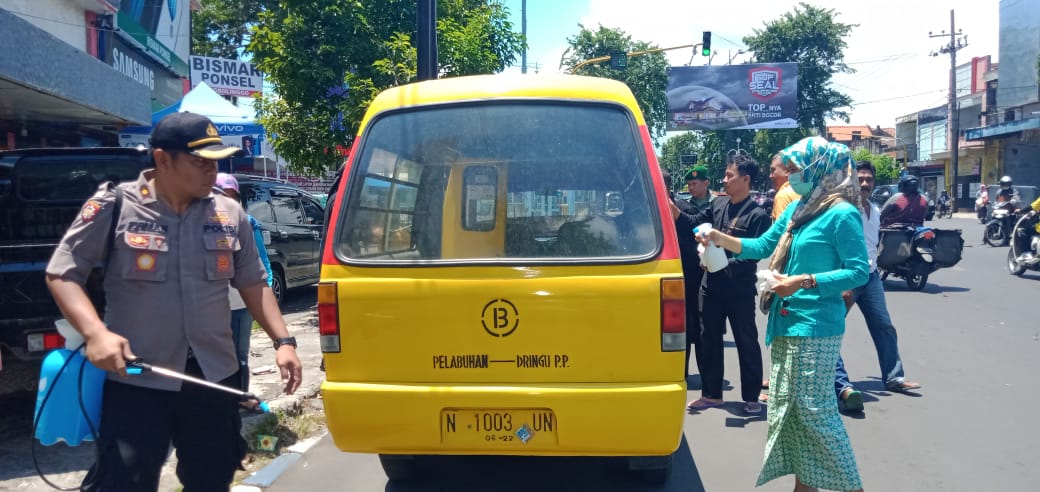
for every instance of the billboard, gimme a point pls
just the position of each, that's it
(733, 97)
(161, 27)
(226, 77)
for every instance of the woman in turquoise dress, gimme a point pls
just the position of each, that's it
(818, 252)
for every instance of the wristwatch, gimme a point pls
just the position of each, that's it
(809, 282)
(278, 342)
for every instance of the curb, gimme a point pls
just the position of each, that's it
(266, 476)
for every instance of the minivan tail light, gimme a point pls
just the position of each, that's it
(328, 316)
(673, 315)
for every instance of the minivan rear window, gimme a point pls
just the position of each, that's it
(511, 180)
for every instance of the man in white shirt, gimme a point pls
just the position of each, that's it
(871, 300)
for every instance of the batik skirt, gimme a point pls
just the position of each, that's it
(806, 435)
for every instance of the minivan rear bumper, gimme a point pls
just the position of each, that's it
(623, 419)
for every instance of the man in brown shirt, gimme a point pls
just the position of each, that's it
(174, 250)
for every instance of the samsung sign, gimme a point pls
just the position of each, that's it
(166, 87)
(129, 66)
(227, 77)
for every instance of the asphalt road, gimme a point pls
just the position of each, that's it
(971, 338)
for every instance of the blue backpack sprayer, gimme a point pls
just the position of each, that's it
(69, 409)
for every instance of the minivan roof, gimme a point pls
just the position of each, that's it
(504, 86)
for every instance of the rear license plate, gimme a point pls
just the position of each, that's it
(499, 428)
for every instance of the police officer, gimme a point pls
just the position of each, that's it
(693, 274)
(172, 251)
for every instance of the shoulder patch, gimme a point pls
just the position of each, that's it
(90, 210)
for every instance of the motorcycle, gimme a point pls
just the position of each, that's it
(1001, 222)
(914, 253)
(945, 208)
(1026, 231)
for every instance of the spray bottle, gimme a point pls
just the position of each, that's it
(68, 401)
(712, 256)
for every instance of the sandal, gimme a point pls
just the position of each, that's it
(704, 404)
(752, 407)
(904, 386)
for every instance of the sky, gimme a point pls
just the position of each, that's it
(889, 48)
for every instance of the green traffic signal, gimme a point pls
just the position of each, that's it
(706, 44)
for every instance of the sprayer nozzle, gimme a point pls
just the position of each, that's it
(265, 407)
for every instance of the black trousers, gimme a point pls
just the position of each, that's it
(139, 424)
(739, 307)
(692, 282)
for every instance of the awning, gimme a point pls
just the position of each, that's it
(1000, 129)
(43, 79)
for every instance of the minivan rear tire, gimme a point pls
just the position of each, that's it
(398, 468)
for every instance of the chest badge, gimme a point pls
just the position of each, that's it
(223, 263)
(145, 262)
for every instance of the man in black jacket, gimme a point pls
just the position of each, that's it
(730, 293)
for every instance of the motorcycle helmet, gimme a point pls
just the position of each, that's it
(908, 184)
(1006, 182)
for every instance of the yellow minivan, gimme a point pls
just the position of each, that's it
(501, 276)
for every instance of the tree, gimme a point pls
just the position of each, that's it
(718, 145)
(646, 75)
(813, 38)
(327, 60)
(221, 27)
(674, 148)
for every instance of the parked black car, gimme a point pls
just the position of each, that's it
(293, 224)
(41, 191)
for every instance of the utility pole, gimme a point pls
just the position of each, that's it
(957, 41)
(426, 48)
(523, 30)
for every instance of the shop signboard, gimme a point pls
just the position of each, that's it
(161, 27)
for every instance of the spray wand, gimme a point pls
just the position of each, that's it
(138, 366)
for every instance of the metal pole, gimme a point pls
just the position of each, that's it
(954, 115)
(427, 40)
(523, 29)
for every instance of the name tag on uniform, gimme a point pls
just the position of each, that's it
(149, 242)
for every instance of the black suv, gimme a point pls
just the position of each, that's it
(293, 224)
(41, 191)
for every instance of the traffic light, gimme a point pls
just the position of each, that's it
(706, 44)
(618, 60)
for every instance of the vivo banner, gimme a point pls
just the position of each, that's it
(733, 97)
(227, 77)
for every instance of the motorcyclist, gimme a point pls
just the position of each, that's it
(1030, 227)
(982, 202)
(1008, 193)
(944, 202)
(906, 207)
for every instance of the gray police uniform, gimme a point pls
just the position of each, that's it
(166, 285)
